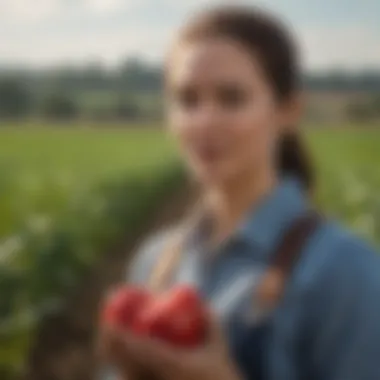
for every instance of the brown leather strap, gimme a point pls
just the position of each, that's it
(293, 241)
(285, 257)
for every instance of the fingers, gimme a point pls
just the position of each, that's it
(122, 347)
(215, 335)
(126, 350)
(104, 344)
(109, 345)
(112, 351)
(153, 354)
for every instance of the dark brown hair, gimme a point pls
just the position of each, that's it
(265, 37)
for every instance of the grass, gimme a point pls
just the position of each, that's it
(41, 166)
(93, 154)
(348, 174)
(44, 165)
(66, 196)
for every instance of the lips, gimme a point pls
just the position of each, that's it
(209, 153)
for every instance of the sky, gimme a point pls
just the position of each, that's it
(332, 34)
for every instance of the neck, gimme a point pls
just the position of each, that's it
(229, 202)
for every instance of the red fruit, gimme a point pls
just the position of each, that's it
(177, 317)
(123, 305)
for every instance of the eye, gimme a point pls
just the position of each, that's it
(187, 98)
(232, 96)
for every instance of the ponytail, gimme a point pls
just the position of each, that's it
(294, 160)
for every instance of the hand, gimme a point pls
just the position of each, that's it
(208, 362)
(111, 350)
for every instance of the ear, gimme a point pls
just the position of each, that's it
(292, 112)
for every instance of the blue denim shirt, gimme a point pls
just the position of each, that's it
(327, 326)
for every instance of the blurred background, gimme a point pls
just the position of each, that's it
(86, 170)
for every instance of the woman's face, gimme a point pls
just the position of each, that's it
(222, 110)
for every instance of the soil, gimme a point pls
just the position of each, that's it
(64, 347)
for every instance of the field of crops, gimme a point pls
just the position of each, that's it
(348, 174)
(67, 194)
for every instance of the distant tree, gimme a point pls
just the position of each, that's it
(15, 99)
(94, 77)
(138, 76)
(60, 106)
(127, 108)
(376, 105)
(360, 111)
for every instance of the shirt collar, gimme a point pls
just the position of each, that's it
(265, 224)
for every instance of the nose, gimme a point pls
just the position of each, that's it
(207, 118)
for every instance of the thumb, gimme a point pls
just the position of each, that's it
(215, 333)
(112, 353)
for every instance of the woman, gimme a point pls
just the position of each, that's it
(233, 83)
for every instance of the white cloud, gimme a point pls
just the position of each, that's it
(109, 6)
(349, 46)
(110, 46)
(97, 35)
(21, 11)
(33, 11)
